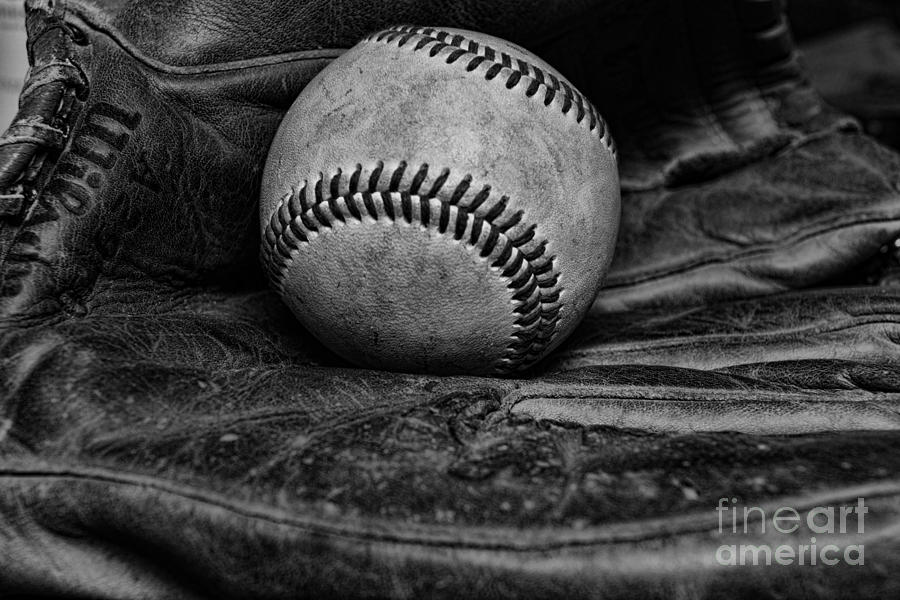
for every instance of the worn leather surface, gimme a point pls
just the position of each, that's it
(167, 430)
(200, 449)
(851, 324)
(703, 146)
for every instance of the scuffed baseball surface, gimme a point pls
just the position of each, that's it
(440, 201)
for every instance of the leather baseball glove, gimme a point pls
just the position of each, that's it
(168, 431)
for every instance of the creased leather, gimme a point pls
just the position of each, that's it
(710, 148)
(852, 324)
(204, 440)
(168, 430)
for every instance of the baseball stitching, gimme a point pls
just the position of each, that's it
(472, 215)
(491, 63)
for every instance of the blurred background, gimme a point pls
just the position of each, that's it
(13, 58)
(851, 48)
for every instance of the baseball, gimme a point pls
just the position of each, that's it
(440, 201)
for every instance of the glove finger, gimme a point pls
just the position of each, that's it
(855, 324)
(803, 217)
(761, 399)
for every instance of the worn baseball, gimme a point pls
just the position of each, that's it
(440, 201)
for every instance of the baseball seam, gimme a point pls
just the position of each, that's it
(471, 215)
(492, 63)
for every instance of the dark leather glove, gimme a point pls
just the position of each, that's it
(199, 450)
(168, 430)
(737, 180)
